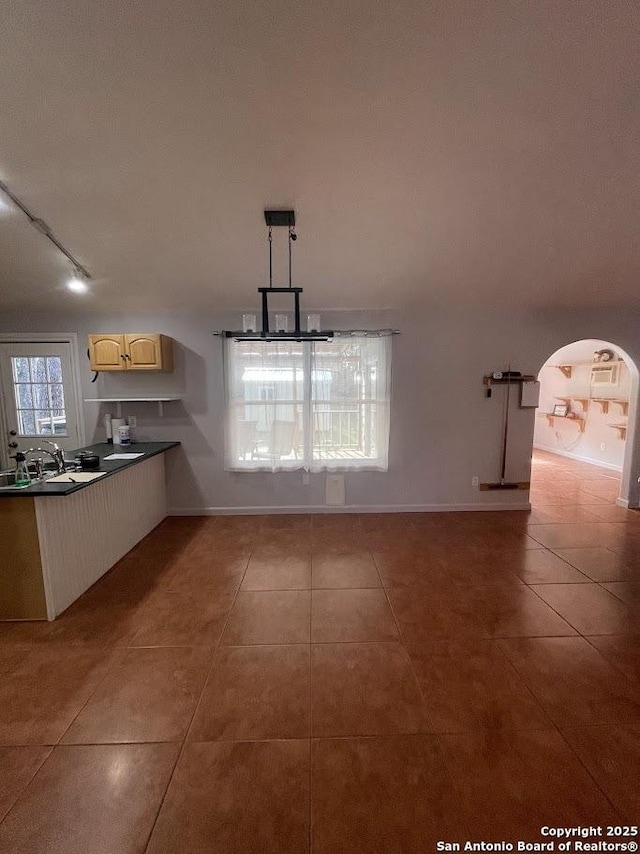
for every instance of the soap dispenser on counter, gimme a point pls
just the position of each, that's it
(22, 472)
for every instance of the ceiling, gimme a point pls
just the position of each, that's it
(433, 151)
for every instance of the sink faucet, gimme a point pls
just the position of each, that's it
(57, 455)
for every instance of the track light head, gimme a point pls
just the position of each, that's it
(77, 282)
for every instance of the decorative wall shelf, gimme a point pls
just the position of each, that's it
(120, 400)
(583, 401)
(622, 430)
(551, 418)
(604, 402)
(567, 370)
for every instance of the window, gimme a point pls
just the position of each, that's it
(39, 395)
(311, 405)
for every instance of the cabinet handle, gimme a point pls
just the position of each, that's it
(122, 357)
(127, 356)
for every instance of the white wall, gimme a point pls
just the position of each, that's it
(443, 429)
(563, 436)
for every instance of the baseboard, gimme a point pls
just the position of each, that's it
(577, 457)
(352, 508)
(622, 502)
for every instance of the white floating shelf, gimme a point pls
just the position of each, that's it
(120, 400)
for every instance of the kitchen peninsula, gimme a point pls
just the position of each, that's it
(60, 537)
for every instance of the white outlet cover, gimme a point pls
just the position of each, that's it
(335, 492)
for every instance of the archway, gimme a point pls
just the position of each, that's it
(589, 408)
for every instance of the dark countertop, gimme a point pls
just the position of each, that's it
(43, 488)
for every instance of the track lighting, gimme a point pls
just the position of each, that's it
(78, 281)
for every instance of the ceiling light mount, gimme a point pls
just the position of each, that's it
(278, 218)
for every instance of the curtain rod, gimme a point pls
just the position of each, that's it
(346, 333)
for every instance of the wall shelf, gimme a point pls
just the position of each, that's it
(551, 418)
(583, 401)
(604, 402)
(567, 370)
(120, 400)
(524, 378)
(622, 430)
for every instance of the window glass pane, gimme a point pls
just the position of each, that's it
(25, 398)
(43, 422)
(56, 396)
(38, 369)
(40, 395)
(20, 369)
(54, 368)
(27, 422)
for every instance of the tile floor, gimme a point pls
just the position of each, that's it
(336, 683)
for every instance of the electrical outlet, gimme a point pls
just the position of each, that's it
(475, 480)
(132, 421)
(603, 446)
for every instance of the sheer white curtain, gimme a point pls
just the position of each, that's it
(350, 389)
(265, 405)
(318, 406)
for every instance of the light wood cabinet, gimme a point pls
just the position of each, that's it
(131, 352)
(106, 352)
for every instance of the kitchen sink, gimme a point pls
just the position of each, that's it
(8, 478)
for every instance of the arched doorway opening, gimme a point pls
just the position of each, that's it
(588, 414)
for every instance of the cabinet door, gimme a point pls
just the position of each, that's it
(143, 352)
(107, 353)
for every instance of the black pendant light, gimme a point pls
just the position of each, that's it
(280, 219)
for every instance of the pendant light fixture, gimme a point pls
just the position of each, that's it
(280, 219)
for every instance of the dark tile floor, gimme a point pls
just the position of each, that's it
(337, 683)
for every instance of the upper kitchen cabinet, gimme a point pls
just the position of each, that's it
(131, 352)
(148, 352)
(106, 352)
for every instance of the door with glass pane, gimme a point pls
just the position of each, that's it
(38, 398)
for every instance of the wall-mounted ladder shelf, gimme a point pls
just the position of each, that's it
(120, 400)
